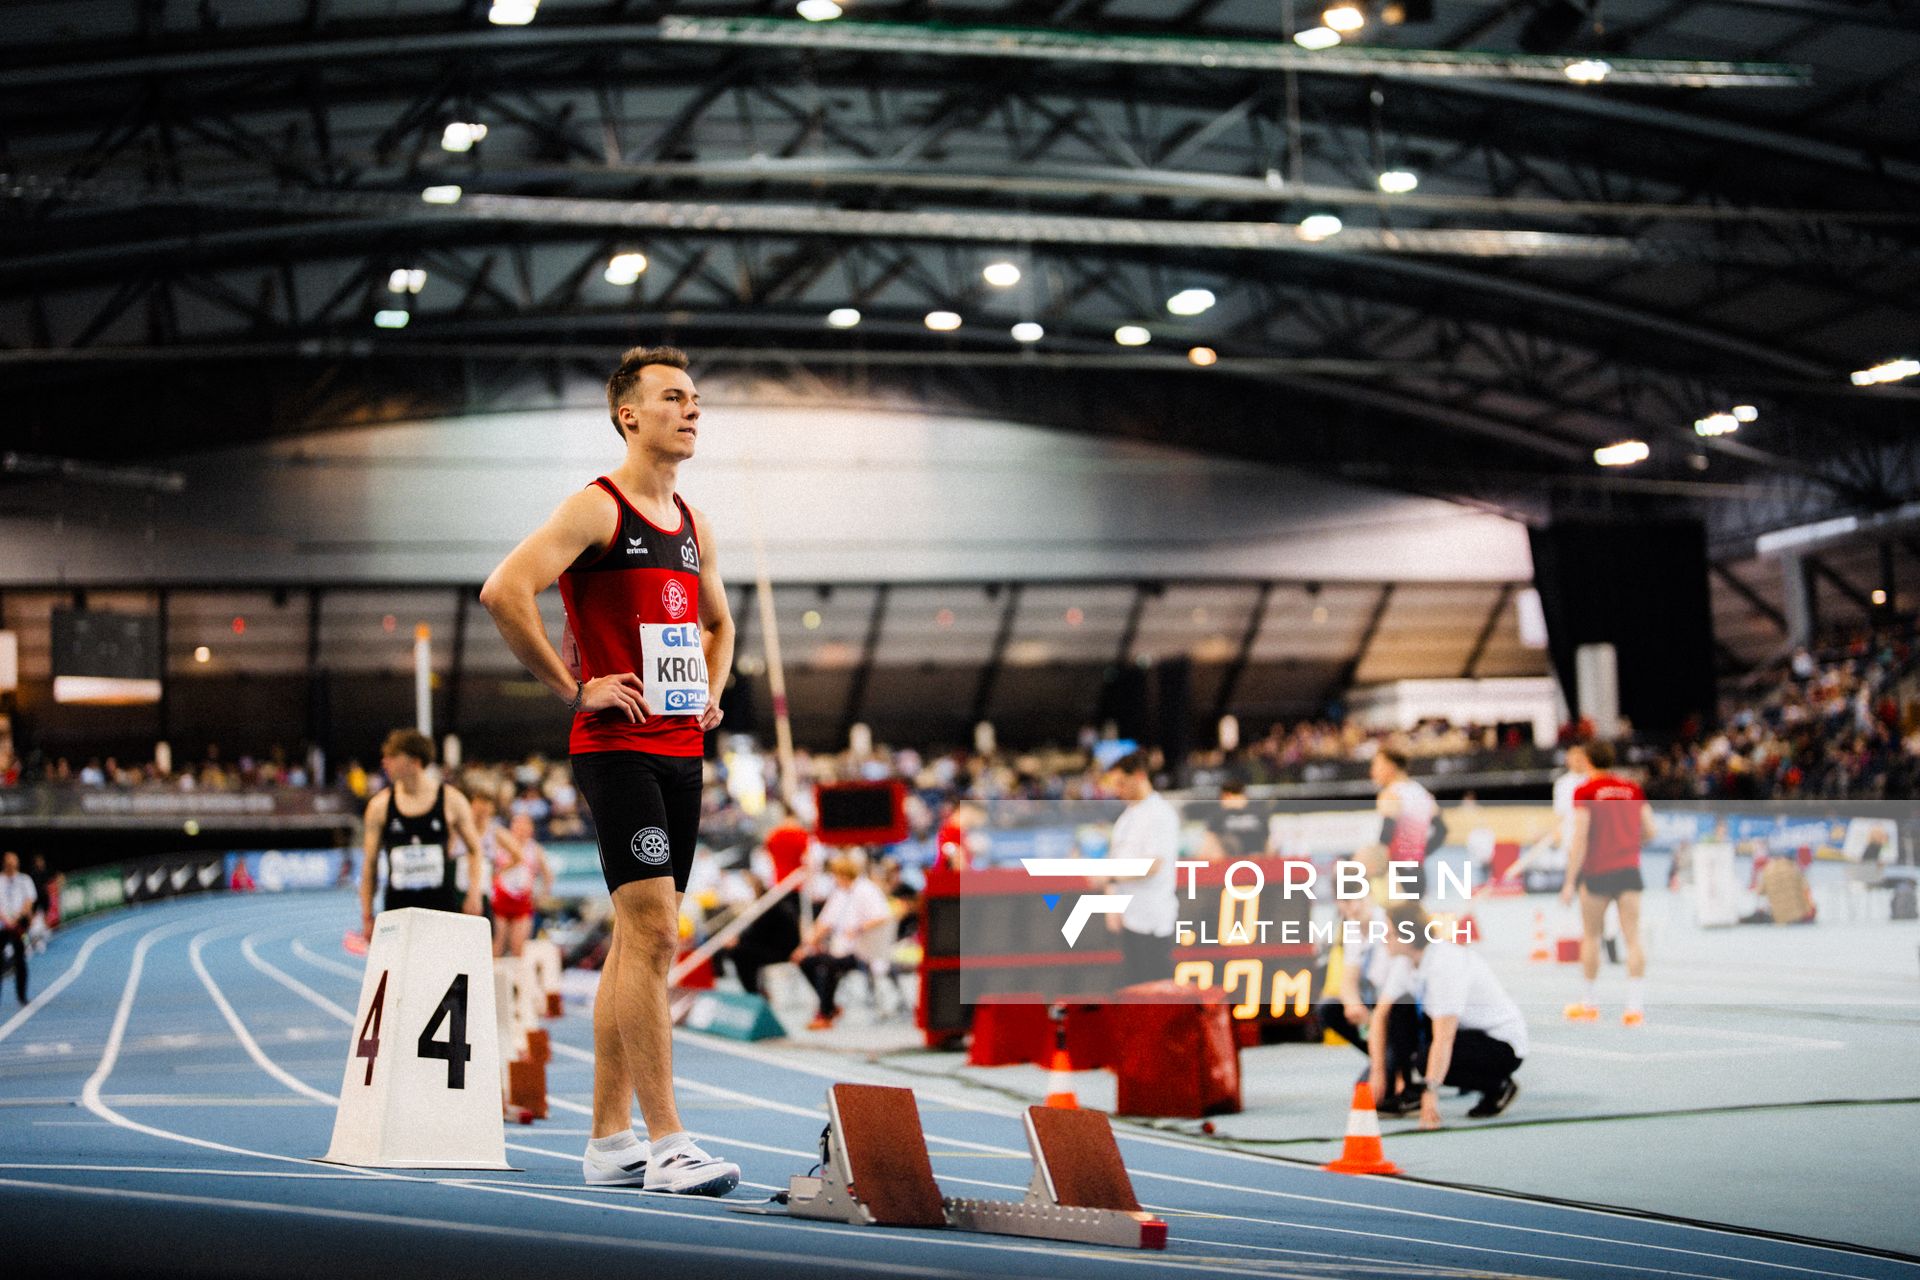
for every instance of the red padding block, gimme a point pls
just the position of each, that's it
(1007, 1034)
(1176, 1053)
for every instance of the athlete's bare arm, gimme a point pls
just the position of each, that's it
(460, 818)
(586, 520)
(1576, 851)
(716, 622)
(1647, 829)
(375, 819)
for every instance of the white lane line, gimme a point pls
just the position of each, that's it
(181, 1171)
(66, 978)
(239, 1028)
(322, 962)
(1154, 1140)
(292, 984)
(462, 1228)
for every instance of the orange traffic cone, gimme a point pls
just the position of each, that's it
(1060, 1080)
(1542, 953)
(1362, 1153)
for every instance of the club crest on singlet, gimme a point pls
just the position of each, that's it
(674, 597)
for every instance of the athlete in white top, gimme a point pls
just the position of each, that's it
(1148, 829)
(1408, 813)
(1550, 853)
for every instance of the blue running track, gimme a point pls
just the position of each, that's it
(163, 1096)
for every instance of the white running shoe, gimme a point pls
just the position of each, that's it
(689, 1171)
(624, 1168)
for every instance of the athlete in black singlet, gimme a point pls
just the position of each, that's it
(409, 835)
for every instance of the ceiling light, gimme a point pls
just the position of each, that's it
(818, 10)
(1132, 335)
(1203, 356)
(203, 654)
(625, 268)
(392, 319)
(1879, 595)
(1191, 302)
(810, 619)
(1001, 275)
(441, 195)
(1397, 182)
(512, 13)
(843, 317)
(1319, 615)
(1886, 371)
(943, 321)
(1317, 38)
(1028, 331)
(1345, 18)
(1716, 424)
(1319, 226)
(1588, 71)
(460, 136)
(1745, 413)
(406, 280)
(1623, 454)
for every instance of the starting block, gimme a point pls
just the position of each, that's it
(543, 956)
(875, 1171)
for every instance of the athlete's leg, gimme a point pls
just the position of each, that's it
(1593, 922)
(647, 922)
(612, 1083)
(519, 929)
(499, 937)
(1629, 907)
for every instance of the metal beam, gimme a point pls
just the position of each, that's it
(857, 688)
(1230, 678)
(996, 656)
(1757, 602)
(1486, 630)
(1821, 568)
(1351, 668)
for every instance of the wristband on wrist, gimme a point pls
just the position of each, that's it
(579, 692)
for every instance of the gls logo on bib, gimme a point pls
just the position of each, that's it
(674, 668)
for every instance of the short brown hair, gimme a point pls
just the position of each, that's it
(1600, 753)
(626, 375)
(1410, 921)
(408, 742)
(1395, 757)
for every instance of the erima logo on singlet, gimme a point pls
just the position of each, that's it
(634, 548)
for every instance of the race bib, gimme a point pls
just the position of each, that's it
(675, 672)
(416, 866)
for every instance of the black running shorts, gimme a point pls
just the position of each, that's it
(1611, 884)
(646, 811)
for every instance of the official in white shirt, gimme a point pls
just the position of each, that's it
(846, 935)
(1148, 829)
(17, 896)
(1474, 1033)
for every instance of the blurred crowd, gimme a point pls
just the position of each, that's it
(1834, 724)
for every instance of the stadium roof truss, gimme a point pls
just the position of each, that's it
(216, 198)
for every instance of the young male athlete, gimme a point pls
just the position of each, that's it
(1611, 819)
(409, 828)
(1409, 821)
(651, 642)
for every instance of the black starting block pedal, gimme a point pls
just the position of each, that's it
(876, 1171)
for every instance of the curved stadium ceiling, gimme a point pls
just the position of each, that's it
(206, 204)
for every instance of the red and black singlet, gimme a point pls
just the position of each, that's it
(635, 606)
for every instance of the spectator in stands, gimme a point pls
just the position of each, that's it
(771, 938)
(16, 915)
(953, 844)
(1443, 997)
(849, 932)
(1235, 829)
(1148, 831)
(787, 845)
